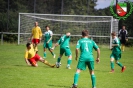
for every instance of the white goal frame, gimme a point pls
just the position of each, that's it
(112, 21)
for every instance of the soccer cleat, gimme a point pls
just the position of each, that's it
(73, 86)
(54, 56)
(68, 67)
(112, 71)
(123, 68)
(44, 57)
(53, 66)
(57, 65)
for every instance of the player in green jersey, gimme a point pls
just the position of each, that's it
(64, 48)
(116, 53)
(86, 58)
(48, 41)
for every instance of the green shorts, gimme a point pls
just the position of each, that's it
(65, 50)
(82, 65)
(116, 56)
(49, 45)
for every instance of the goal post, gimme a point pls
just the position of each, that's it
(99, 27)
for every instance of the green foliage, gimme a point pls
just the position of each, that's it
(72, 7)
(14, 73)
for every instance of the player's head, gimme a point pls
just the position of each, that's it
(47, 27)
(85, 33)
(28, 45)
(36, 24)
(113, 34)
(68, 34)
(123, 27)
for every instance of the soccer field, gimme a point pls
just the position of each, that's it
(14, 73)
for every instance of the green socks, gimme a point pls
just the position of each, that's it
(76, 77)
(44, 54)
(93, 79)
(120, 64)
(59, 59)
(112, 65)
(69, 61)
(52, 53)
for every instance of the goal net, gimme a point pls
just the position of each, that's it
(99, 27)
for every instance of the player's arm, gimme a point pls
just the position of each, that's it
(51, 34)
(40, 34)
(116, 43)
(98, 51)
(26, 59)
(27, 62)
(49, 39)
(98, 56)
(58, 43)
(76, 52)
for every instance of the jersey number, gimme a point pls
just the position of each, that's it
(86, 47)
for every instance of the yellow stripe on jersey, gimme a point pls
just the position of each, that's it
(30, 53)
(36, 32)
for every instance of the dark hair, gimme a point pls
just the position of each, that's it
(85, 33)
(113, 33)
(27, 45)
(46, 26)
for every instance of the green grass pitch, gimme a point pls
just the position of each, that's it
(14, 73)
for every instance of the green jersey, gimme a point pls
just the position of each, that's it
(116, 49)
(64, 41)
(47, 36)
(86, 46)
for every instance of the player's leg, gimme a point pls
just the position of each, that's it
(35, 45)
(33, 62)
(81, 66)
(51, 51)
(112, 63)
(90, 65)
(69, 61)
(58, 62)
(38, 58)
(123, 42)
(44, 52)
(118, 56)
(69, 54)
(93, 78)
(76, 78)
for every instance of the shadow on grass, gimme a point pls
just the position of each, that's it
(45, 66)
(102, 70)
(59, 86)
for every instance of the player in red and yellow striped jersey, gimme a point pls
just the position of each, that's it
(36, 35)
(31, 57)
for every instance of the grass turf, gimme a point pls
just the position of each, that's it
(14, 73)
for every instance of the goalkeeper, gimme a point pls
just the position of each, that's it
(36, 36)
(31, 57)
(64, 48)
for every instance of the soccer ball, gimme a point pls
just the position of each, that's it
(58, 64)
